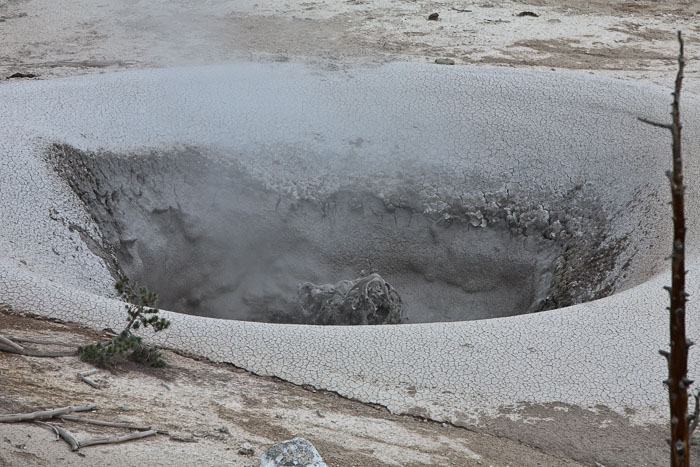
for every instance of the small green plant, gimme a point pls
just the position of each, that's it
(140, 310)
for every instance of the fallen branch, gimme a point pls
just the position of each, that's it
(37, 353)
(14, 345)
(63, 433)
(117, 439)
(53, 427)
(73, 418)
(88, 372)
(35, 417)
(87, 380)
(44, 414)
(40, 341)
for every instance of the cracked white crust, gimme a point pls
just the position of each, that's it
(516, 128)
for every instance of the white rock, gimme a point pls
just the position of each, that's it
(293, 452)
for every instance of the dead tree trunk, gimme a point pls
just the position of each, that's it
(677, 358)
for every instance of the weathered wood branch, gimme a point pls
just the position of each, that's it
(61, 414)
(50, 425)
(12, 344)
(90, 382)
(117, 439)
(38, 353)
(64, 434)
(41, 341)
(44, 414)
(74, 418)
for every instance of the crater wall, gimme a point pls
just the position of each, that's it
(477, 145)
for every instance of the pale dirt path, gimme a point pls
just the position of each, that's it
(53, 38)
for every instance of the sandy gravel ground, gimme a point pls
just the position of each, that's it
(626, 39)
(210, 410)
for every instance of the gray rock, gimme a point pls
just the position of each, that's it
(293, 452)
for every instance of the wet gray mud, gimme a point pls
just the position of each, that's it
(213, 240)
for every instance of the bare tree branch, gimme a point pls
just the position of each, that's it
(65, 434)
(667, 126)
(14, 345)
(90, 382)
(40, 341)
(74, 418)
(118, 439)
(52, 426)
(38, 353)
(44, 414)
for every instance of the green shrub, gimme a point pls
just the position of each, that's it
(140, 311)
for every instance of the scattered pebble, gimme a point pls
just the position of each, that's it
(246, 450)
(433, 17)
(529, 13)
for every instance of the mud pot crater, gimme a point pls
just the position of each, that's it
(213, 239)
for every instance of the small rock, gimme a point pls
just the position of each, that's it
(293, 452)
(433, 17)
(246, 449)
(529, 13)
(445, 61)
(319, 413)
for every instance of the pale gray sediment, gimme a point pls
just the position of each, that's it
(477, 192)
